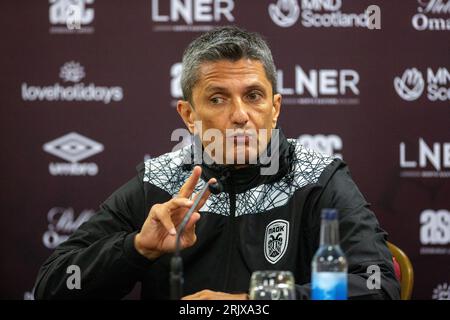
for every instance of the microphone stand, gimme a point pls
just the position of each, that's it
(176, 264)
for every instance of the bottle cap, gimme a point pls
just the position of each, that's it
(329, 214)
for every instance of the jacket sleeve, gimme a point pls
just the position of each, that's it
(103, 250)
(361, 239)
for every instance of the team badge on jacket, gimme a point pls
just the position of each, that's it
(276, 240)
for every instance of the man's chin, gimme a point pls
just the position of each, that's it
(240, 157)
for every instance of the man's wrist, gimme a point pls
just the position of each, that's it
(149, 254)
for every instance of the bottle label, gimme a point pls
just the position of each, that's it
(329, 286)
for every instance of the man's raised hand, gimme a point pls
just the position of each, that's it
(158, 234)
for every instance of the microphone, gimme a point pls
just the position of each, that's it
(216, 187)
(176, 264)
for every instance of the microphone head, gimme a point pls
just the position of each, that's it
(216, 188)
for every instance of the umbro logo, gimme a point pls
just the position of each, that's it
(73, 147)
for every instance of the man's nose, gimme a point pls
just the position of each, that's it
(239, 114)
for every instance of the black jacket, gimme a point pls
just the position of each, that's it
(232, 235)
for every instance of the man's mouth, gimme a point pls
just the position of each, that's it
(240, 138)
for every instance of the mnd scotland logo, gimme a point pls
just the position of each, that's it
(322, 14)
(413, 83)
(410, 85)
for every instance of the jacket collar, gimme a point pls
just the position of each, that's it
(238, 180)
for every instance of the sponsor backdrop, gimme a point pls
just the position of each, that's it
(88, 90)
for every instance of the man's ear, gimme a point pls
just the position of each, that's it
(276, 109)
(187, 113)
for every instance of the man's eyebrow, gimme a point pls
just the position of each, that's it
(215, 89)
(255, 86)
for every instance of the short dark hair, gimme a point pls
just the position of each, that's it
(225, 43)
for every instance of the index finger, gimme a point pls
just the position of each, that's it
(189, 185)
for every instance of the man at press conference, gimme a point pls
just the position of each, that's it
(228, 83)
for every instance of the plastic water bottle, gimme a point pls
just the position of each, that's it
(329, 266)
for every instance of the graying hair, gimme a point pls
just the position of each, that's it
(225, 43)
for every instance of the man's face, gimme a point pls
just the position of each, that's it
(237, 96)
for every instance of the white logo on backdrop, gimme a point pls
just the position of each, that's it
(435, 232)
(322, 14)
(430, 161)
(61, 224)
(319, 86)
(441, 292)
(72, 71)
(432, 15)
(73, 147)
(330, 145)
(285, 12)
(412, 84)
(190, 15)
(175, 83)
(71, 16)
(28, 295)
(313, 87)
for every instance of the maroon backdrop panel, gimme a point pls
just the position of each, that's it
(83, 101)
